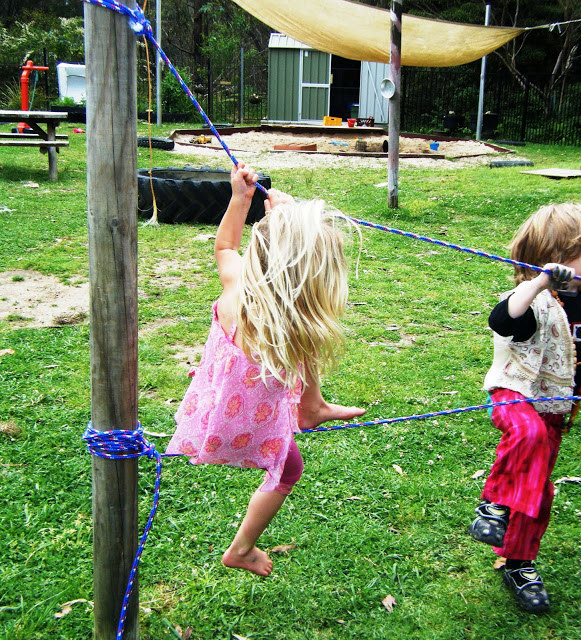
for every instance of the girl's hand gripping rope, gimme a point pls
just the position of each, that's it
(243, 180)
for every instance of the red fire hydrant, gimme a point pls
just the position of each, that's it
(27, 69)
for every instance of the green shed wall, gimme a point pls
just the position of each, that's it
(283, 84)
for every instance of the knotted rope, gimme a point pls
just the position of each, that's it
(124, 444)
(120, 445)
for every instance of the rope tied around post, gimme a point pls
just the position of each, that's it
(119, 444)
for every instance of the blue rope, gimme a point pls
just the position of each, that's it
(435, 414)
(457, 247)
(120, 445)
(141, 26)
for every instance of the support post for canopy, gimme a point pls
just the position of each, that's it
(112, 230)
(394, 105)
(482, 80)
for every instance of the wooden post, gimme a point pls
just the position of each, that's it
(112, 224)
(394, 105)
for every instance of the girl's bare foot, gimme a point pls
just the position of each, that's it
(312, 416)
(255, 561)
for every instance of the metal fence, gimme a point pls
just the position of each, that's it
(447, 100)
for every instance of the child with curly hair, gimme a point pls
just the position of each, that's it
(537, 347)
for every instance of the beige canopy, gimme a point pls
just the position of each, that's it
(360, 32)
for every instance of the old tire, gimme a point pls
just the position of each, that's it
(192, 195)
(156, 143)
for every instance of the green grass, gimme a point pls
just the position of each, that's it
(416, 342)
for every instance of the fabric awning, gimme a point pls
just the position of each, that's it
(360, 32)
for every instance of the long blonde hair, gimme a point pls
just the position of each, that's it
(293, 290)
(552, 234)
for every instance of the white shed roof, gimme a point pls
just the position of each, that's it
(280, 41)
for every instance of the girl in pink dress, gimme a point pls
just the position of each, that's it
(275, 327)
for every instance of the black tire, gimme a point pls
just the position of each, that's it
(192, 195)
(156, 143)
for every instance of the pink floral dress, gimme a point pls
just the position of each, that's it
(229, 416)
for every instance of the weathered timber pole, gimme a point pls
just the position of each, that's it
(112, 228)
(394, 105)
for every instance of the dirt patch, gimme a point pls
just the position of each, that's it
(31, 299)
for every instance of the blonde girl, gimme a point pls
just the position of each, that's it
(275, 329)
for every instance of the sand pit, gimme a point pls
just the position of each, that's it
(361, 146)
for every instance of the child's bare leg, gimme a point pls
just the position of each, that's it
(243, 552)
(314, 409)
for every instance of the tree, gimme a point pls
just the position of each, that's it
(555, 51)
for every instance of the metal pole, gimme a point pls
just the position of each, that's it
(241, 104)
(394, 105)
(158, 60)
(482, 79)
(111, 63)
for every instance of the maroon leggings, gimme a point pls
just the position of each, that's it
(292, 470)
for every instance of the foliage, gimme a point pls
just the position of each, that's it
(357, 529)
(10, 95)
(174, 98)
(62, 41)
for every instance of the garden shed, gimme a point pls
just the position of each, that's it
(305, 85)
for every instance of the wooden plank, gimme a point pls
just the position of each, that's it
(17, 116)
(34, 143)
(110, 55)
(29, 136)
(555, 173)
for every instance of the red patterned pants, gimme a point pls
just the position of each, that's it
(519, 477)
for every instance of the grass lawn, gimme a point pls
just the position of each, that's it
(379, 511)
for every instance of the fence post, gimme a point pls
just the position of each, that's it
(241, 106)
(523, 125)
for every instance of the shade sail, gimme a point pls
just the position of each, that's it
(360, 32)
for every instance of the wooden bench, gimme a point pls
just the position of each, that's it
(48, 141)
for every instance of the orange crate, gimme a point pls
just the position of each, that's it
(331, 121)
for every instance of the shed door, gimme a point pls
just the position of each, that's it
(315, 75)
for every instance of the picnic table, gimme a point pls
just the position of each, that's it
(45, 138)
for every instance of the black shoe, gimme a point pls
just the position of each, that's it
(528, 588)
(491, 523)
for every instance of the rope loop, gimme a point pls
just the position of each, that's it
(118, 444)
(121, 444)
